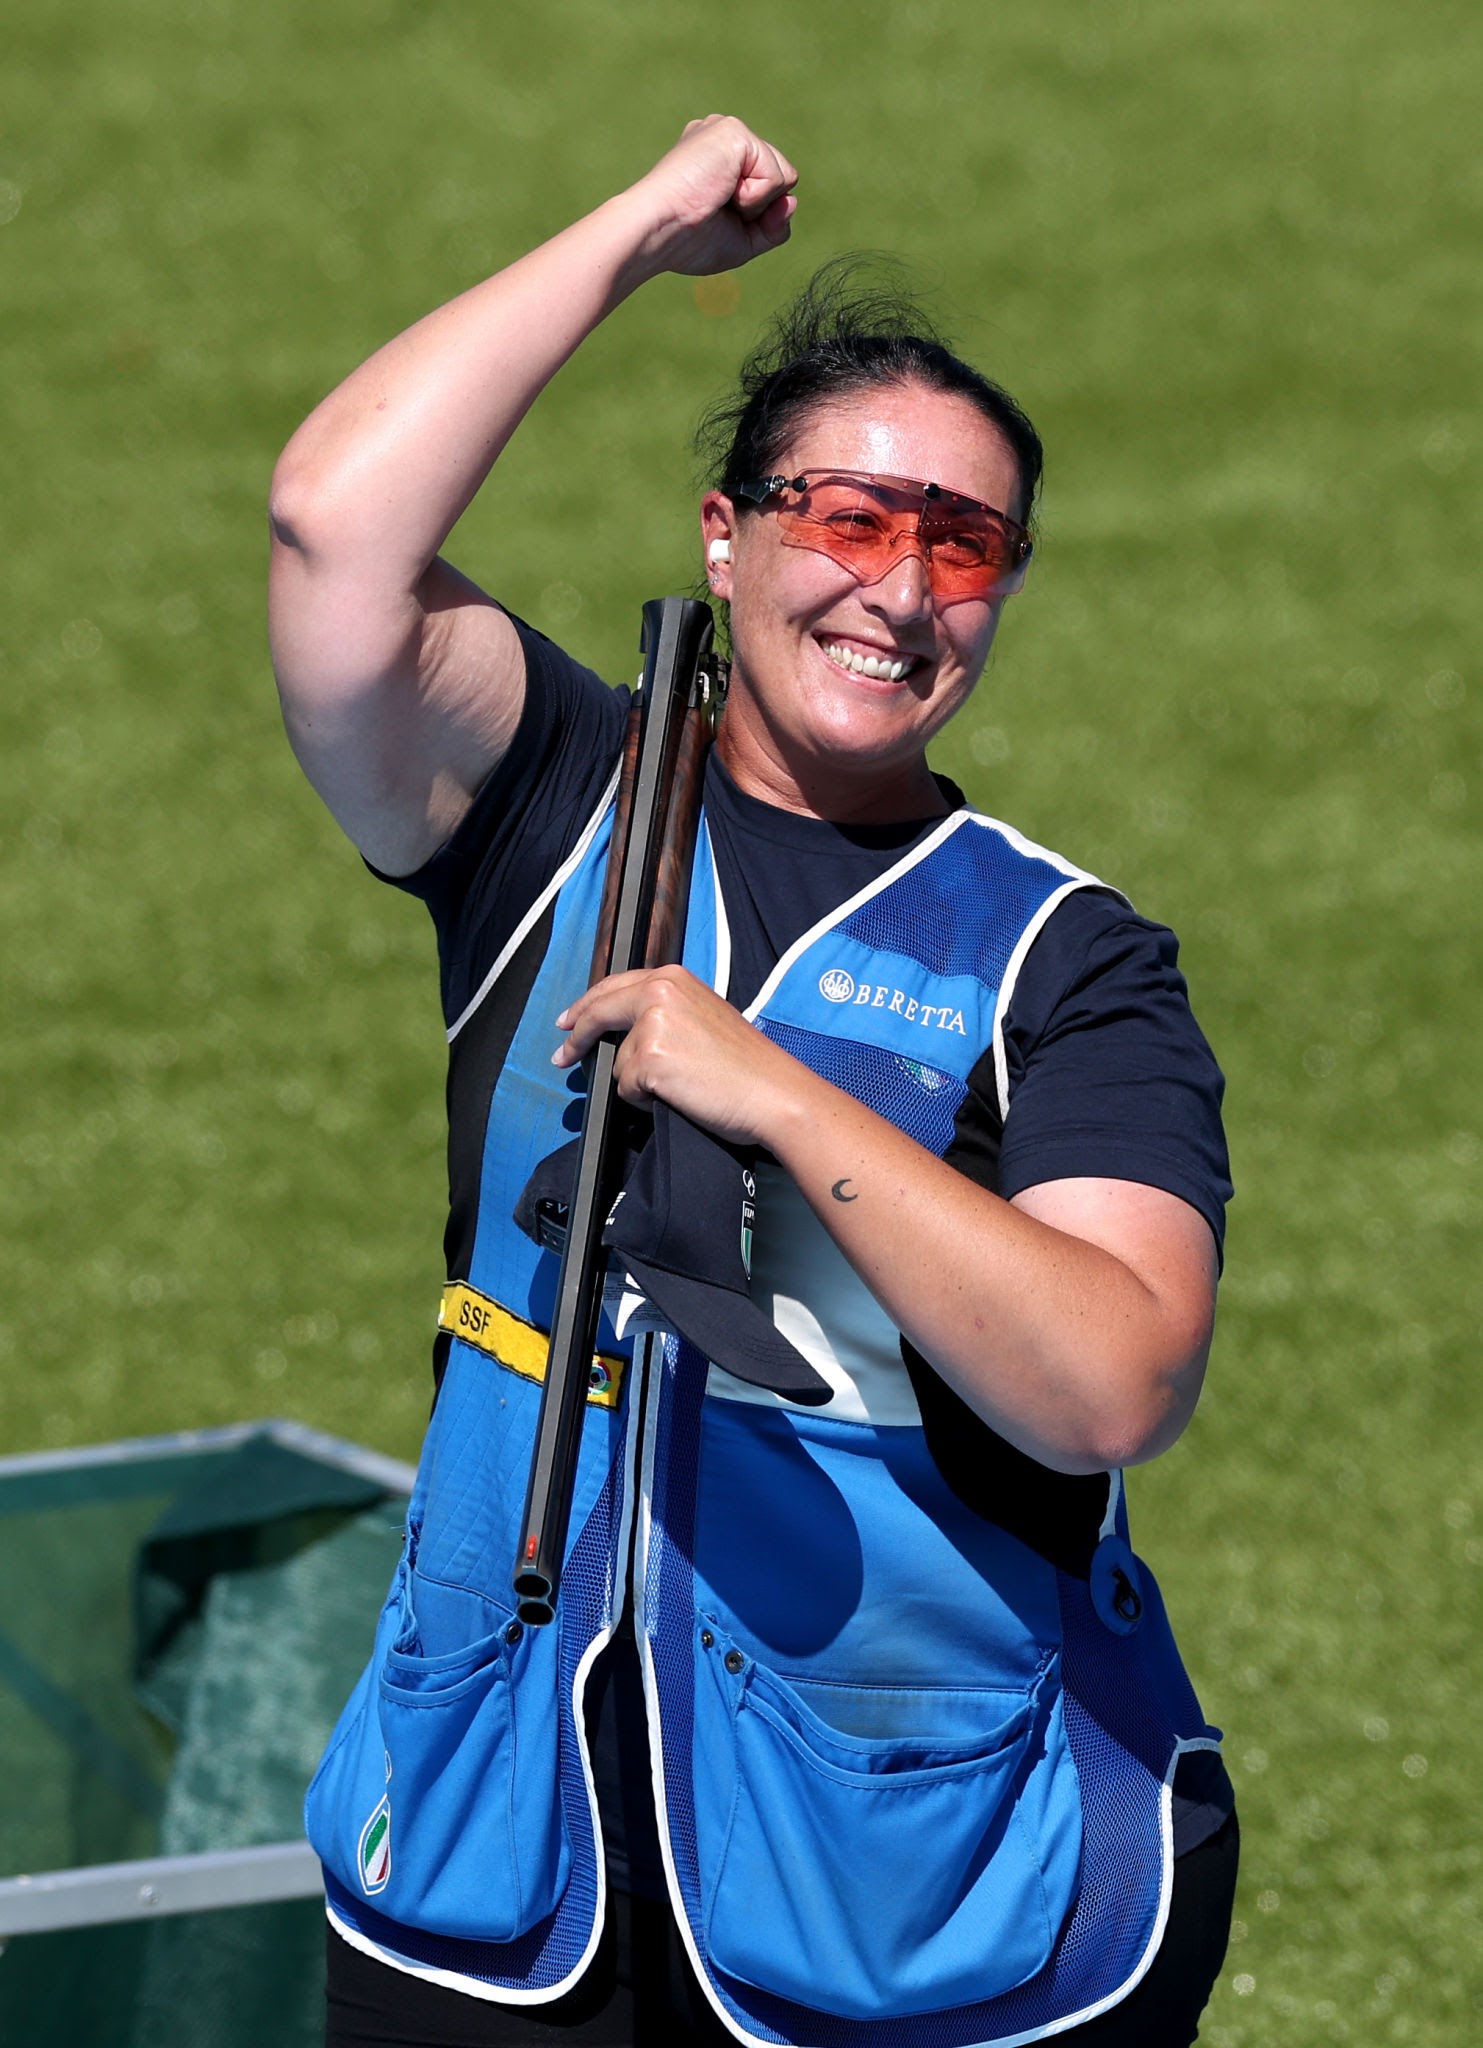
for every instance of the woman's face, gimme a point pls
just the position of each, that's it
(803, 728)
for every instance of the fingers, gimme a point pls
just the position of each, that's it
(755, 156)
(772, 228)
(682, 1044)
(608, 1005)
(639, 1007)
(765, 182)
(616, 1004)
(725, 166)
(667, 1021)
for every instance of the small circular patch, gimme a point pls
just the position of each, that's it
(1117, 1592)
(835, 986)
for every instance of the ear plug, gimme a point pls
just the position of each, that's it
(718, 551)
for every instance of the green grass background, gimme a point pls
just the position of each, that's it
(1228, 257)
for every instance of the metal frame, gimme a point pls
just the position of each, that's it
(391, 1473)
(153, 1886)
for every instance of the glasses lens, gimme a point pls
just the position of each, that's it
(970, 549)
(866, 524)
(853, 521)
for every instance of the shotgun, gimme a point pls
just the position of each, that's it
(641, 924)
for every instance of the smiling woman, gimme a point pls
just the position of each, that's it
(859, 1722)
(849, 660)
(863, 441)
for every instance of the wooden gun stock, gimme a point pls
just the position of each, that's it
(684, 778)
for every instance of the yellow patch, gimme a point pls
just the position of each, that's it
(475, 1319)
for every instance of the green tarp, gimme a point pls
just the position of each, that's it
(180, 1623)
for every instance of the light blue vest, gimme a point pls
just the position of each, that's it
(913, 1780)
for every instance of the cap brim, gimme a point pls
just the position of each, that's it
(732, 1332)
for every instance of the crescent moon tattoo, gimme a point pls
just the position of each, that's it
(838, 1191)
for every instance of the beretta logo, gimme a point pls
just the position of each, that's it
(838, 986)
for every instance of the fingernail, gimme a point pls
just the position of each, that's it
(563, 1020)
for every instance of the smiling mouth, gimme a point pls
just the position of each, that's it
(892, 669)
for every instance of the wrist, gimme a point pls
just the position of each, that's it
(797, 1114)
(638, 237)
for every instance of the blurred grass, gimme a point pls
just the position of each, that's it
(1227, 256)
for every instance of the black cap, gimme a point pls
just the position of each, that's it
(682, 1226)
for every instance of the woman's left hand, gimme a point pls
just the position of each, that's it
(682, 1044)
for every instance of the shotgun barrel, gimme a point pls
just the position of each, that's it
(641, 924)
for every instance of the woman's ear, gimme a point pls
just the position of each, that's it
(717, 528)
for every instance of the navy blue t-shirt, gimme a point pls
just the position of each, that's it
(1110, 1077)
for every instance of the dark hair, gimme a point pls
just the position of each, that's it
(856, 326)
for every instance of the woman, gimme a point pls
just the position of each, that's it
(925, 1763)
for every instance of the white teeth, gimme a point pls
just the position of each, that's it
(866, 664)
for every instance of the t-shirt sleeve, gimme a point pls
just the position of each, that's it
(1110, 1077)
(525, 819)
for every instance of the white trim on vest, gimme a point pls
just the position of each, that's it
(522, 930)
(904, 866)
(653, 1720)
(721, 974)
(635, 1501)
(478, 1987)
(1077, 878)
(1114, 1502)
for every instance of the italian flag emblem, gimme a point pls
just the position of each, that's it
(373, 1857)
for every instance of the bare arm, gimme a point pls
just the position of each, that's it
(1075, 1319)
(401, 682)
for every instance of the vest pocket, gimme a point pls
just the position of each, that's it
(874, 1876)
(438, 1800)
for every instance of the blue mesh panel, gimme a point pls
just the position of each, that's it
(922, 916)
(919, 1099)
(1120, 1738)
(552, 1949)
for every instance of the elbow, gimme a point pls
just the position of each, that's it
(1152, 1414)
(1139, 1441)
(1114, 1443)
(314, 507)
(1156, 1383)
(1127, 1427)
(1130, 1409)
(294, 504)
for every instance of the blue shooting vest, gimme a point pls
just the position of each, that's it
(913, 1779)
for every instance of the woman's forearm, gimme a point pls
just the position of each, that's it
(1082, 1355)
(388, 462)
(384, 467)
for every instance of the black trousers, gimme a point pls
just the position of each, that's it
(640, 1990)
